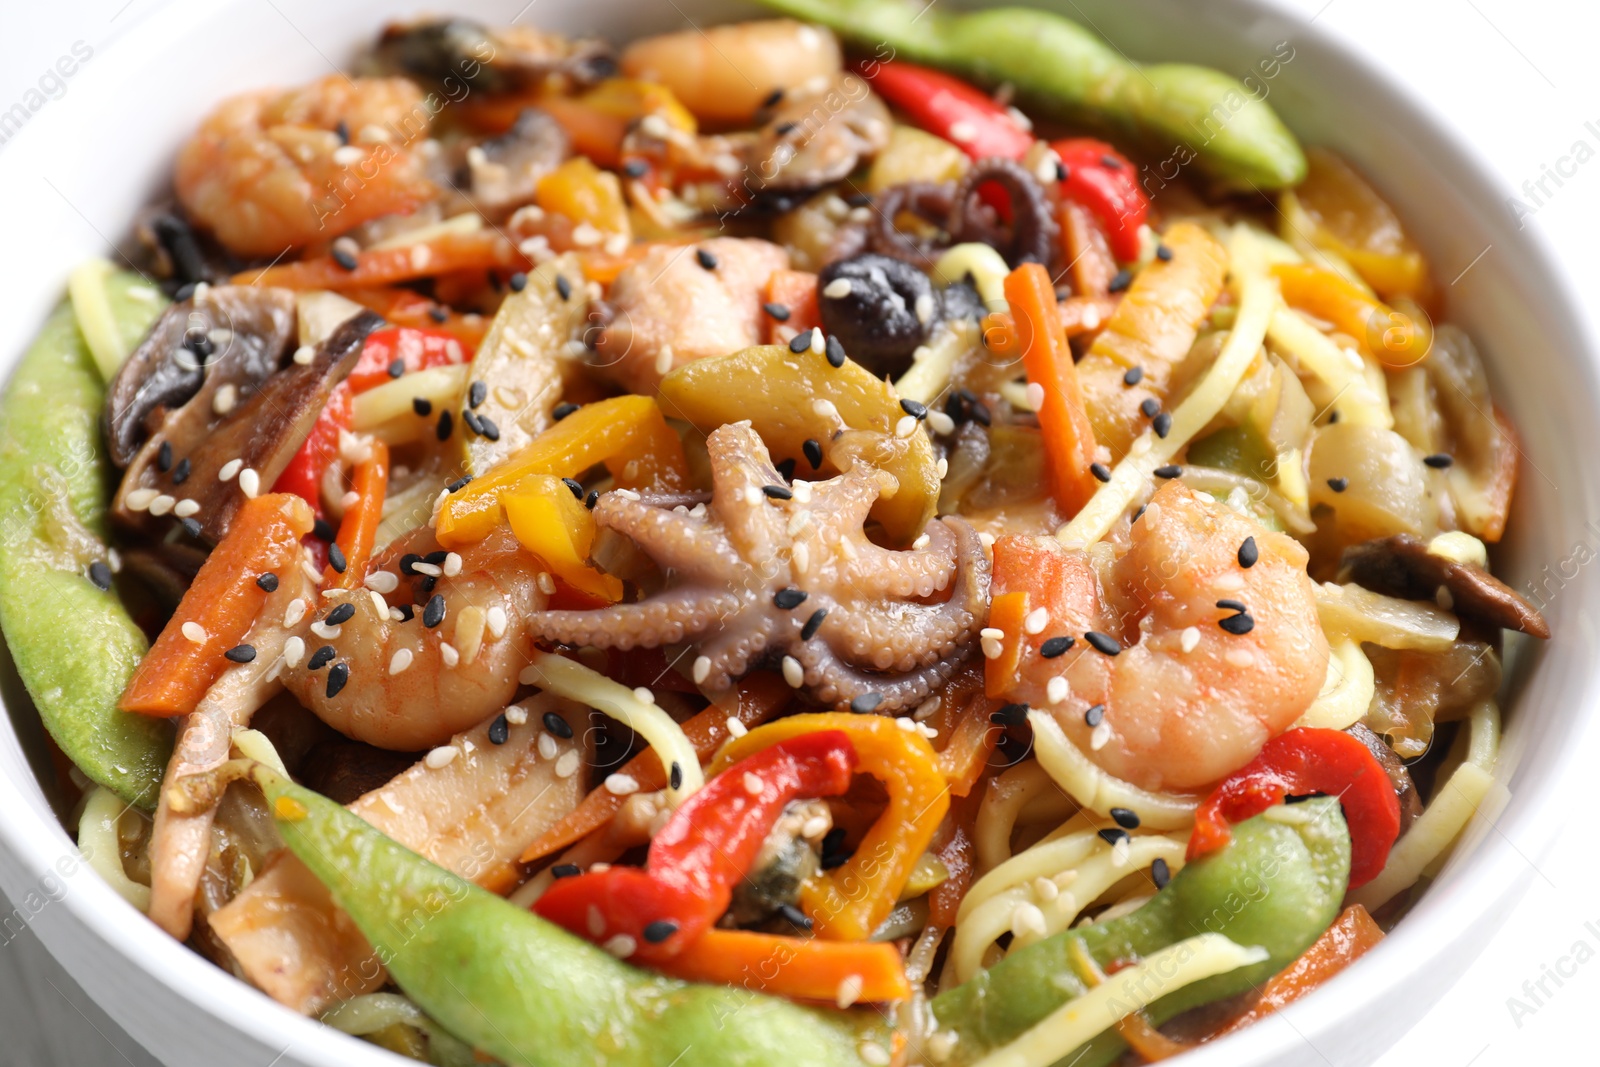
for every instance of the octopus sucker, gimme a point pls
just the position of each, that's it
(897, 623)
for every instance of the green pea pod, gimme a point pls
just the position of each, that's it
(1233, 136)
(523, 989)
(74, 644)
(1277, 885)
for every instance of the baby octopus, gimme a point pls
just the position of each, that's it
(770, 567)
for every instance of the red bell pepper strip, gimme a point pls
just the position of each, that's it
(949, 107)
(303, 475)
(1102, 180)
(707, 846)
(1298, 762)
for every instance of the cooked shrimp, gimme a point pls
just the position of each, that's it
(408, 685)
(269, 171)
(725, 73)
(683, 303)
(1186, 700)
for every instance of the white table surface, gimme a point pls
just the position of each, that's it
(1518, 78)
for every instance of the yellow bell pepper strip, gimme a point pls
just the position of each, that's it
(584, 193)
(626, 433)
(1392, 337)
(851, 901)
(219, 606)
(1068, 437)
(599, 119)
(552, 523)
(1337, 211)
(796, 967)
(386, 266)
(358, 530)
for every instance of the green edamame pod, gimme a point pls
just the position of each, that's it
(73, 642)
(523, 989)
(1195, 112)
(1277, 886)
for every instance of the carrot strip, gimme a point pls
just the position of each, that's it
(358, 530)
(792, 966)
(971, 741)
(797, 291)
(761, 695)
(219, 607)
(1006, 612)
(1350, 936)
(386, 266)
(402, 307)
(1068, 437)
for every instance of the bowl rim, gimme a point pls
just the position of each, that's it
(1498, 867)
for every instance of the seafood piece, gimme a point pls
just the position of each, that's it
(461, 55)
(683, 303)
(503, 172)
(816, 135)
(726, 74)
(409, 684)
(759, 572)
(271, 171)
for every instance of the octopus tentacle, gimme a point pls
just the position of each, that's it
(675, 540)
(733, 650)
(661, 620)
(834, 682)
(740, 467)
(920, 572)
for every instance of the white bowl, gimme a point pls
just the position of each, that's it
(86, 162)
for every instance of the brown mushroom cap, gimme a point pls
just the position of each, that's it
(1405, 790)
(1401, 566)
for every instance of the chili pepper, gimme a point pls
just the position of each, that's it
(1102, 180)
(1064, 67)
(1278, 885)
(1309, 760)
(74, 643)
(709, 844)
(950, 108)
(522, 989)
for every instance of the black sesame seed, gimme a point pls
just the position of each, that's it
(915, 409)
(784, 129)
(557, 725)
(563, 409)
(1010, 715)
(800, 342)
(1439, 460)
(345, 258)
(1238, 624)
(658, 931)
(813, 451)
(422, 405)
(342, 128)
(340, 615)
(338, 674)
(499, 730)
(471, 420)
(427, 583)
(778, 312)
(1162, 424)
(785, 467)
(477, 393)
(1163, 253)
(459, 484)
(406, 562)
(1149, 407)
(563, 287)
(675, 777)
(830, 860)
(980, 413)
(184, 292)
(866, 703)
(1055, 646)
(323, 530)
(565, 870)
(772, 99)
(438, 314)
(320, 658)
(190, 526)
(1100, 471)
(1171, 470)
(240, 653)
(1301, 798)
(1248, 553)
(1095, 715)
(1120, 281)
(433, 612)
(447, 423)
(100, 575)
(519, 281)
(1133, 376)
(164, 457)
(636, 168)
(788, 599)
(199, 344)
(436, 557)
(396, 368)
(1137, 515)
(575, 486)
(488, 428)
(1232, 605)
(1112, 835)
(778, 492)
(706, 259)
(1102, 642)
(180, 473)
(833, 843)
(592, 499)
(1338, 485)
(809, 630)
(1126, 818)
(336, 559)
(834, 349)
(1062, 173)
(407, 612)
(794, 916)
(1111, 162)
(1160, 873)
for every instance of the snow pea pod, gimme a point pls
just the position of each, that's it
(1194, 112)
(1277, 885)
(514, 985)
(73, 641)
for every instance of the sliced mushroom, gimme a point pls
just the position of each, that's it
(342, 770)
(1405, 790)
(231, 334)
(1402, 566)
(817, 136)
(254, 431)
(457, 53)
(176, 251)
(503, 172)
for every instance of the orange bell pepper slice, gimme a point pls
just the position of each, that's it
(358, 530)
(626, 433)
(851, 901)
(1350, 219)
(1392, 337)
(223, 601)
(585, 193)
(598, 120)
(387, 266)
(555, 526)
(797, 291)
(791, 966)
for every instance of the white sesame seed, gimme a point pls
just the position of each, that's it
(452, 564)
(1036, 621)
(1056, 689)
(382, 581)
(310, 570)
(1035, 395)
(114, 560)
(922, 541)
(800, 558)
(991, 647)
(1100, 736)
(1045, 889)
(249, 482)
(400, 661)
(546, 584)
(906, 426)
(941, 424)
(432, 570)
(1027, 919)
(186, 507)
(294, 612)
(162, 504)
(547, 746)
(837, 289)
(923, 308)
(324, 631)
(793, 673)
(815, 827)
(224, 399)
(495, 619)
(139, 499)
(940, 1045)
(1240, 658)
(567, 765)
(597, 921)
(992, 631)
(927, 731)
(986, 539)
(1119, 852)
(517, 715)
(801, 491)
(621, 785)
(735, 727)
(1190, 638)
(927, 708)
(702, 669)
(849, 991)
(643, 695)
(664, 359)
(442, 756)
(304, 354)
(873, 1054)
(229, 469)
(962, 132)
(906, 723)
(294, 649)
(350, 500)
(752, 784)
(379, 605)
(819, 344)
(753, 495)
(194, 632)
(448, 653)
(622, 945)
(1441, 595)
